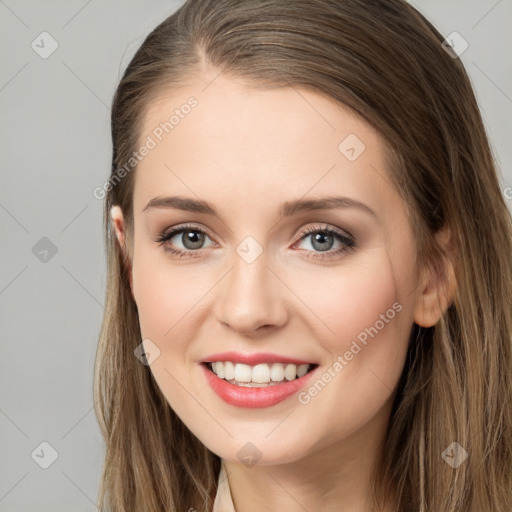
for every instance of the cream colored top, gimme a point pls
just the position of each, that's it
(223, 501)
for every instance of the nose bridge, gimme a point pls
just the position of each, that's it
(251, 296)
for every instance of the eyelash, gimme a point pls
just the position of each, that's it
(347, 240)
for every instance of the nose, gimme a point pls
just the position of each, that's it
(252, 298)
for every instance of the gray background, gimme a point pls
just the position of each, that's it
(55, 149)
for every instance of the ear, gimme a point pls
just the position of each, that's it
(116, 215)
(437, 294)
(119, 226)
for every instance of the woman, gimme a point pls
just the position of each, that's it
(309, 275)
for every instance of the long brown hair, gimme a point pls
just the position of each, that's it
(385, 61)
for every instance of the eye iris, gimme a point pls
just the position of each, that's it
(321, 237)
(192, 239)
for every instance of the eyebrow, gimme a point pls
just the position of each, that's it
(287, 209)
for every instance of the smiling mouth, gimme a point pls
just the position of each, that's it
(260, 375)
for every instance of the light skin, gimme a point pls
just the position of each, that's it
(246, 151)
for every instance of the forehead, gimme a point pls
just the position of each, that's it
(232, 144)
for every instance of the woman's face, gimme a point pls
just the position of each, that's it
(252, 282)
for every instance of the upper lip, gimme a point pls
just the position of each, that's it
(254, 358)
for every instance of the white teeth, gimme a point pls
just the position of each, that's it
(220, 370)
(229, 370)
(302, 370)
(277, 372)
(260, 374)
(243, 372)
(290, 372)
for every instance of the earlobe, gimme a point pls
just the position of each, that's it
(438, 290)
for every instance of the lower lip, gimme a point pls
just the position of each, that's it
(242, 396)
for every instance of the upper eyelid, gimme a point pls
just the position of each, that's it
(331, 229)
(175, 230)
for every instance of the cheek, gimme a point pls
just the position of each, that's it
(348, 299)
(165, 293)
(370, 326)
(168, 298)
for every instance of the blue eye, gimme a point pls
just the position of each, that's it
(321, 240)
(191, 238)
